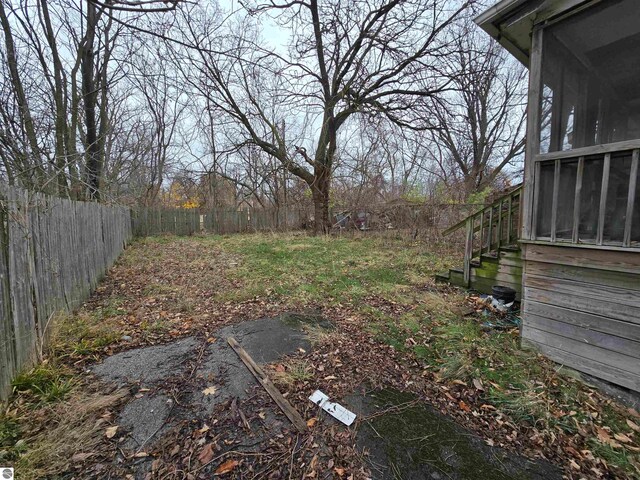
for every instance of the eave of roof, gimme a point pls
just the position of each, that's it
(510, 22)
(492, 20)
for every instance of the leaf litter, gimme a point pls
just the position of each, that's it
(163, 290)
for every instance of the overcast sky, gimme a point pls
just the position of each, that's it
(271, 32)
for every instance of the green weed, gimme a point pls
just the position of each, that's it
(10, 444)
(45, 383)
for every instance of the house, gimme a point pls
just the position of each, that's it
(579, 207)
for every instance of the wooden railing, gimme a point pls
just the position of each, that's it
(490, 228)
(587, 196)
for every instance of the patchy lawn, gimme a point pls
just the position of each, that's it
(395, 328)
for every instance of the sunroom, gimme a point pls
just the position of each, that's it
(580, 208)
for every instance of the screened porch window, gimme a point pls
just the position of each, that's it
(590, 72)
(590, 97)
(570, 205)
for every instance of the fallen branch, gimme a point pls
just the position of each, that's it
(291, 413)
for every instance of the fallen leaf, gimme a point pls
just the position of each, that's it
(111, 431)
(573, 451)
(621, 437)
(280, 368)
(330, 377)
(81, 457)
(339, 471)
(478, 384)
(633, 426)
(204, 429)
(141, 454)
(464, 406)
(311, 422)
(210, 390)
(206, 454)
(226, 467)
(604, 437)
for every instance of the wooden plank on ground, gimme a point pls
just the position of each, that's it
(292, 414)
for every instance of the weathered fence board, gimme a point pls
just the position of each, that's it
(220, 221)
(53, 253)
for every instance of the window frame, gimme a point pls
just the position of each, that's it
(608, 159)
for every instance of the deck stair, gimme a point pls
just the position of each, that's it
(492, 254)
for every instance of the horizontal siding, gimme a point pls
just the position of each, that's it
(604, 293)
(624, 280)
(585, 320)
(614, 261)
(619, 361)
(591, 338)
(582, 302)
(582, 308)
(590, 366)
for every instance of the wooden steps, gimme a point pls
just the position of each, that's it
(501, 267)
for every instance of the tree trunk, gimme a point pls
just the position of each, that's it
(322, 224)
(90, 96)
(59, 93)
(35, 164)
(320, 193)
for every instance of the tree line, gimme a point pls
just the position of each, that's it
(264, 102)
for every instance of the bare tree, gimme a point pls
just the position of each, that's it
(343, 59)
(58, 72)
(480, 125)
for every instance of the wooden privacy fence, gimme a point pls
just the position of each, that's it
(53, 252)
(426, 219)
(221, 221)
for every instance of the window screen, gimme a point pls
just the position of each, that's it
(590, 72)
(545, 199)
(617, 196)
(635, 223)
(590, 199)
(566, 199)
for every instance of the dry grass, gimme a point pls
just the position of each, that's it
(72, 432)
(294, 371)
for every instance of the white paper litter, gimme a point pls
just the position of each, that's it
(336, 410)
